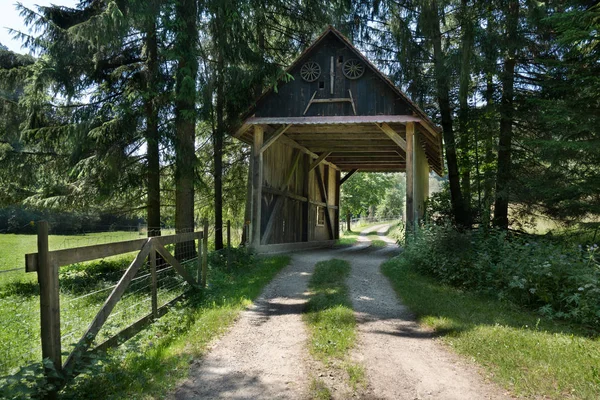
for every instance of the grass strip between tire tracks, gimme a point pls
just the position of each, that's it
(523, 353)
(331, 323)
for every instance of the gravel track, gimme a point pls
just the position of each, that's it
(264, 355)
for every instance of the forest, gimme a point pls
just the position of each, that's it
(122, 112)
(106, 123)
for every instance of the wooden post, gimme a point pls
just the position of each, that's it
(306, 204)
(199, 260)
(410, 176)
(204, 254)
(154, 280)
(47, 271)
(338, 185)
(257, 178)
(228, 244)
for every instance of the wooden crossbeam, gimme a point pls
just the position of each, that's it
(392, 134)
(292, 143)
(280, 200)
(323, 191)
(176, 265)
(110, 303)
(348, 175)
(318, 161)
(274, 136)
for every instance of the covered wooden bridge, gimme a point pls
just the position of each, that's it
(338, 115)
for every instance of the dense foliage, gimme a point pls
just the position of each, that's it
(538, 274)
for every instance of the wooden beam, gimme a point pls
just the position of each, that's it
(354, 149)
(96, 251)
(384, 141)
(241, 131)
(410, 176)
(173, 261)
(285, 193)
(348, 175)
(292, 143)
(318, 161)
(309, 103)
(323, 191)
(361, 158)
(257, 178)
(279, 202)
(274, 136)
(110, 303)
(362, 167)
(392, 134)
(352, 101)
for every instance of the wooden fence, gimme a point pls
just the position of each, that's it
(47, 263)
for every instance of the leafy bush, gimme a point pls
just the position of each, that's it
(537, 274)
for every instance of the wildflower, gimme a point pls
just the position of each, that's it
(580, 289)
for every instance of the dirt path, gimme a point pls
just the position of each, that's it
(264, 356)
(402, 360)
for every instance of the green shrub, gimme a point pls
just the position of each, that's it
(537, 274)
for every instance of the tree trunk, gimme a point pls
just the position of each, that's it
(186, 38)
(152, 133)
(488, 176)
(460, 212)
(463, 96)
(218, 151)
(506, 119)
(348, 222)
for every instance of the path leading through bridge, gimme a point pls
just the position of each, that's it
(265, 356)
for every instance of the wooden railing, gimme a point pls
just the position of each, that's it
(47, 263)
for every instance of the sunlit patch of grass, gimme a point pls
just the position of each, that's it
(376, 242)
(527, 355)
(348, 238)
(329, 311)
(331, 324)
(318, 390)
(356, 375)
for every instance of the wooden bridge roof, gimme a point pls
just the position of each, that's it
(355, 123)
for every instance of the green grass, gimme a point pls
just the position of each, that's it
(329, 311)
(331, 323)
(152, 363)
(376, 242)
(526, 355)
(348, 238)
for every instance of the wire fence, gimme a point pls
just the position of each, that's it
(84, 287)
(359, 222)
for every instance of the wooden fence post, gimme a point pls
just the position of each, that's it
(228, 244)
(199, 259)
(204, 254)
(47, 271)
(154, 280)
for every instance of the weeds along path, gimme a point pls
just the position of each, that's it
(264, 355)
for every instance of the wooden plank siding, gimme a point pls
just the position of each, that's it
(287, 226)
(372, 95)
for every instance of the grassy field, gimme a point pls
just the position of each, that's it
(331, 323)
(527, 355)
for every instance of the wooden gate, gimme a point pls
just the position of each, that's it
(47, 263)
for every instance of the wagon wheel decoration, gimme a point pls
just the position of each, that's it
(310, 71)
(353, 69)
